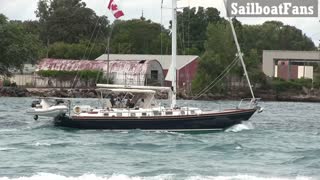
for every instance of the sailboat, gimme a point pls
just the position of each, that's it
(134, 107)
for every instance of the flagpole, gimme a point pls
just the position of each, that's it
(108, 56)
(117, 13)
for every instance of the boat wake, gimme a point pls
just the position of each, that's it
(49, 176)
(240, 127)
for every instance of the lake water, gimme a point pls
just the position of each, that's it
(282, 143)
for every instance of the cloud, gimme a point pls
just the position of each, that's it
(24, 10)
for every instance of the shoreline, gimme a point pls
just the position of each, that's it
(265, 95)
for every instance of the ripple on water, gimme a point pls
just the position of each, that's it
(7, 149)
(223, 147)
(145, 176)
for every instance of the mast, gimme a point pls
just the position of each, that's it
(174, 53)
(239, 50)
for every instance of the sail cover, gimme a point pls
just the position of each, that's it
(169, 76)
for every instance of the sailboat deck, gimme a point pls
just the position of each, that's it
(154, 112)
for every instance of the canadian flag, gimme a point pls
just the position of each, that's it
(114, 8)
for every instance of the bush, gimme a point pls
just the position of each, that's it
(105, 81)
(304, 82)
(62, 75)
(67, 75)
(281, 85)
(6, 82)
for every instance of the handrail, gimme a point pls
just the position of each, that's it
(253, 102)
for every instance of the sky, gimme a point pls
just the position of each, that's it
(24, 10)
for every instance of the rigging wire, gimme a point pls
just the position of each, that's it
(189, 15)
(218, 78)
(188, 71)
(87, 47)
(181, 35)
(95, 40)
(161, 43)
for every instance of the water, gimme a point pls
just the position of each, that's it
(282, 143)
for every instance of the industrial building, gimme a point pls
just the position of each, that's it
(144, 72)
(186, 66)
(134, 69)
(290, 64)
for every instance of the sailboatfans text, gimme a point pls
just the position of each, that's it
(272, 8)
(113, 6)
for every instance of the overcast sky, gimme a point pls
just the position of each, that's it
(24, 10)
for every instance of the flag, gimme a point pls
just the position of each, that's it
(115, 10)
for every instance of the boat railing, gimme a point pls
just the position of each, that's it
(133, 112)
(250, 103)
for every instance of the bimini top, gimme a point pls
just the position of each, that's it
(145, 91)
(127, 87)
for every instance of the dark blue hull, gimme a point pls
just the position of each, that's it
(211, 121)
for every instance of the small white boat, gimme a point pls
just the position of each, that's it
(48, 107)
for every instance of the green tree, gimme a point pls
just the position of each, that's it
(192, 28)
(220, 52)
(3, 19)
(253, 65)
(68, 21)
(274, 35)
(138, 36)
(80, 50)
(17, 46)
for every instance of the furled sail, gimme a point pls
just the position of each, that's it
(169, 76)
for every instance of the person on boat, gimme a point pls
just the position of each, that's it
(124, 102)
(130, 104)
(59, 101)
(140, 103)
(112, 100)
(118, 102)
